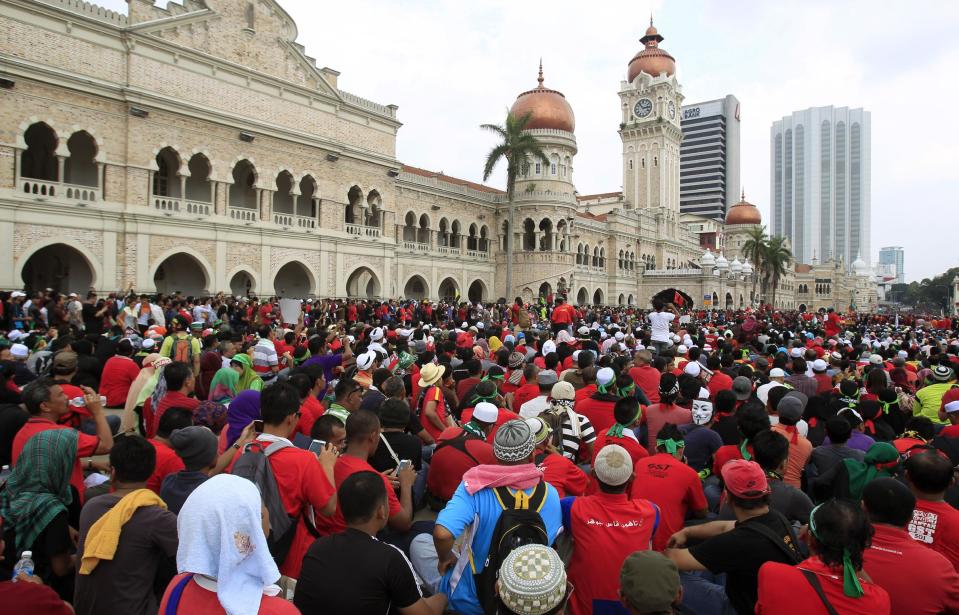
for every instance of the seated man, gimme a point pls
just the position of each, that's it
(167, 461)
(482, 497)
(459, 450)
(352, 570)
(934, 522)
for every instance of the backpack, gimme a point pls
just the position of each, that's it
(519, 524)
(182, 349)
(254, 465)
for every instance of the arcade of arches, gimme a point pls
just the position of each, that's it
(181, 273)
(58, 267)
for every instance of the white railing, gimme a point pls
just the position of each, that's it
(46, 189)
(244, 214)
(292, 220)
(448, 250)
(477, 254)
(371, 232)
(182, 206)
(81, 193)
(670, 272)
(38, 187)
(416, 246)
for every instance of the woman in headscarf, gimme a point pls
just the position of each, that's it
(848, 479)
(210, 364)
(244, 409)
(249, 380)
(223, 559)
(34, 505)
(224, 383)
(141, 389)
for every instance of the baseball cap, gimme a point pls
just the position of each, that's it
(649, 582)
(745, 479)
(547, 377)
(742, 387)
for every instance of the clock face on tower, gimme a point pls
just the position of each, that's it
(672, 110)
(643, 108)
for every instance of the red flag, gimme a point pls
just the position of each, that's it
(678, 299)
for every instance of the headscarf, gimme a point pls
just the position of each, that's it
(221, 537)
(851, 586)
(210, 364)
(223, 385)
(880, 462)
(244, 408)
(38, 489)
(249, 379)
(494, 344)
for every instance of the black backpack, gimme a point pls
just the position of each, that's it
(519, 524)
(254, 465)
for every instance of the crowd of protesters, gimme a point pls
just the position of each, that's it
(180, 454)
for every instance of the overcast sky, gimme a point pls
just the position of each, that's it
(452, 65)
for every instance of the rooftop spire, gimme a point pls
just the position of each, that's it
(540, 78)
(650, 19)
(742, 196)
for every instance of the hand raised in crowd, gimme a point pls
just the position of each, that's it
(92, 399)
(327, 456)
(247, 435)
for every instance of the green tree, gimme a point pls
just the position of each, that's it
(754, 249)
(776, 260)
(517, 147)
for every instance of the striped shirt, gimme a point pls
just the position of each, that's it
(571, 443)
(264, 356)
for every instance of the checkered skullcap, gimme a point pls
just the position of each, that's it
(532, 580)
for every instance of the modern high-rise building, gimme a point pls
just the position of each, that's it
(820, 183)
(709, 157)
(892, 261)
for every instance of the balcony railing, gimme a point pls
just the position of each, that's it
(477, 254)
(448, 250)
(46, 189)
(174, 205)
(294, 221)
(371, 232)
(244, 214)
(416, 246)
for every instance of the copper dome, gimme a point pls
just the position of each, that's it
(652, 60)
(744, 212)
(547, 108)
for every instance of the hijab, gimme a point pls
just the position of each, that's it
(38, 489)
(880, 462)
(221, 537)
(244, 408)
(249, 379)
(224, 384)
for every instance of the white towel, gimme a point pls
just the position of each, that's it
(221, 536)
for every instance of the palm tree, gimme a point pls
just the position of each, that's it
(754, 249)
(776, 260)
(517, 148)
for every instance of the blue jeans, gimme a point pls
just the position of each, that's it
(705, 593)
(89, 426)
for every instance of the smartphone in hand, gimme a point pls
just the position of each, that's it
(404, 463)
(258, 426)
(316, 446)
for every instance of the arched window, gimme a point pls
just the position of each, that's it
(484, 239)
(39, 160)
(506, 237)
(243, 190)
(539, 168)
(602, 258)
(553, 165)
(546, 236)
(80, 168)
(443, 236)
(409, 227)
(165, 180)
(283, 196)
(529, 235)
(354, 199)
(198, 186)
(455, 234)
(374, 209)
(306, 200)
(472, 241)
(423, 235)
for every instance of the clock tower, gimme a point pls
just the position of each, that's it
(650, 100)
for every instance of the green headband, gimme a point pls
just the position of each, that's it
(671, 445)
(616, 431)
(492, 377)
(744, 449)
(850, 580)
(627, 390)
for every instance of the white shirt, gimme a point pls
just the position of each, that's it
(659, 322)
(534, 407)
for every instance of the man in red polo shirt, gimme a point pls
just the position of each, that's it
(606, 528)
(934, 522)
(528, 391)
(669, 483)
(598, 407)
(302, 478)
(460, 448)
(563, 315)
(363, 437)
(119, 372)
(935, 587)
(46, 402)
(645, 375)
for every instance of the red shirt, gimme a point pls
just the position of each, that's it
(584, 393)
(949, 396)
(525, 393)
(936, 525)
(449, 464)
(76, 413)
(783, 590)
(636, 450)
(673, 486)
(172, 399)
(118, 374)
(168, 462)
(310, 410)
(503, 416)
(647, 379)
(266, 313)
(598, 411)
(725, 454)
(607, 528)
(33, 598)
(658, 415)
(433, 394)
(719, 382)
(464, 386)
(195, 599)
(933, 590)
(346, 466)
(832, 325)
(564, 475)
(563, 314)
(301, 482)
(951, 431)
(86, 446)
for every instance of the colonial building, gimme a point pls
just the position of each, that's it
(199, 148)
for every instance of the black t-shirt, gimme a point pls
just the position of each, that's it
(739, 553)
(405, 446)
(91, 323)
(352, 572)
(53, 540)
(727, 429)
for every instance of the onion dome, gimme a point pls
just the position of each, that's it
(859, 266)
(747, 267)
(721, 262)
(736, 266)
(547, 108)
(708, 260)
(744, 212)
(651, 60)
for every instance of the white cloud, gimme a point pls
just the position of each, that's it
(452, 65)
